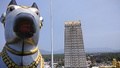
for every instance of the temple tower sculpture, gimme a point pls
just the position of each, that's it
(74, 47)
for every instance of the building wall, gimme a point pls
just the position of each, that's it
(74, 46)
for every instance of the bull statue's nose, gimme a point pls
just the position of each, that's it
(24, 25)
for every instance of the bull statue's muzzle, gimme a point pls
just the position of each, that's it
(24, 25)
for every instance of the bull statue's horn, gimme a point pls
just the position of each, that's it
(13, 2)
(34, 5)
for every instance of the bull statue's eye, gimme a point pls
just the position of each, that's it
(37, 12)
(11, 8)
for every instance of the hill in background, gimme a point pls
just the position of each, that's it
(87, 50)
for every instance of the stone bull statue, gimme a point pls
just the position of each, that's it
(22, 25)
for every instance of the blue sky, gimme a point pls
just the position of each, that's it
(100, 21)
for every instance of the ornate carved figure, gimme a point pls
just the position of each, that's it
(22, 25)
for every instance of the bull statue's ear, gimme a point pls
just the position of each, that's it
(13, 2)
(34, 5)
(41, 22)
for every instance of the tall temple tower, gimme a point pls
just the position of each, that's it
(74, 48)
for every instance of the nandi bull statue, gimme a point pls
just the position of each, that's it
(22, 25)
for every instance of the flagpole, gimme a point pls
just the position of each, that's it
(51, 21)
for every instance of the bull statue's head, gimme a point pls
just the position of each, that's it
(21, 22)
(22, 25)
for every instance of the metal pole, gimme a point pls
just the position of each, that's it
(51, 21)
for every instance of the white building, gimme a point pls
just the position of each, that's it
(46, 65)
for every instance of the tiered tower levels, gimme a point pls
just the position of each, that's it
(74, 47)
